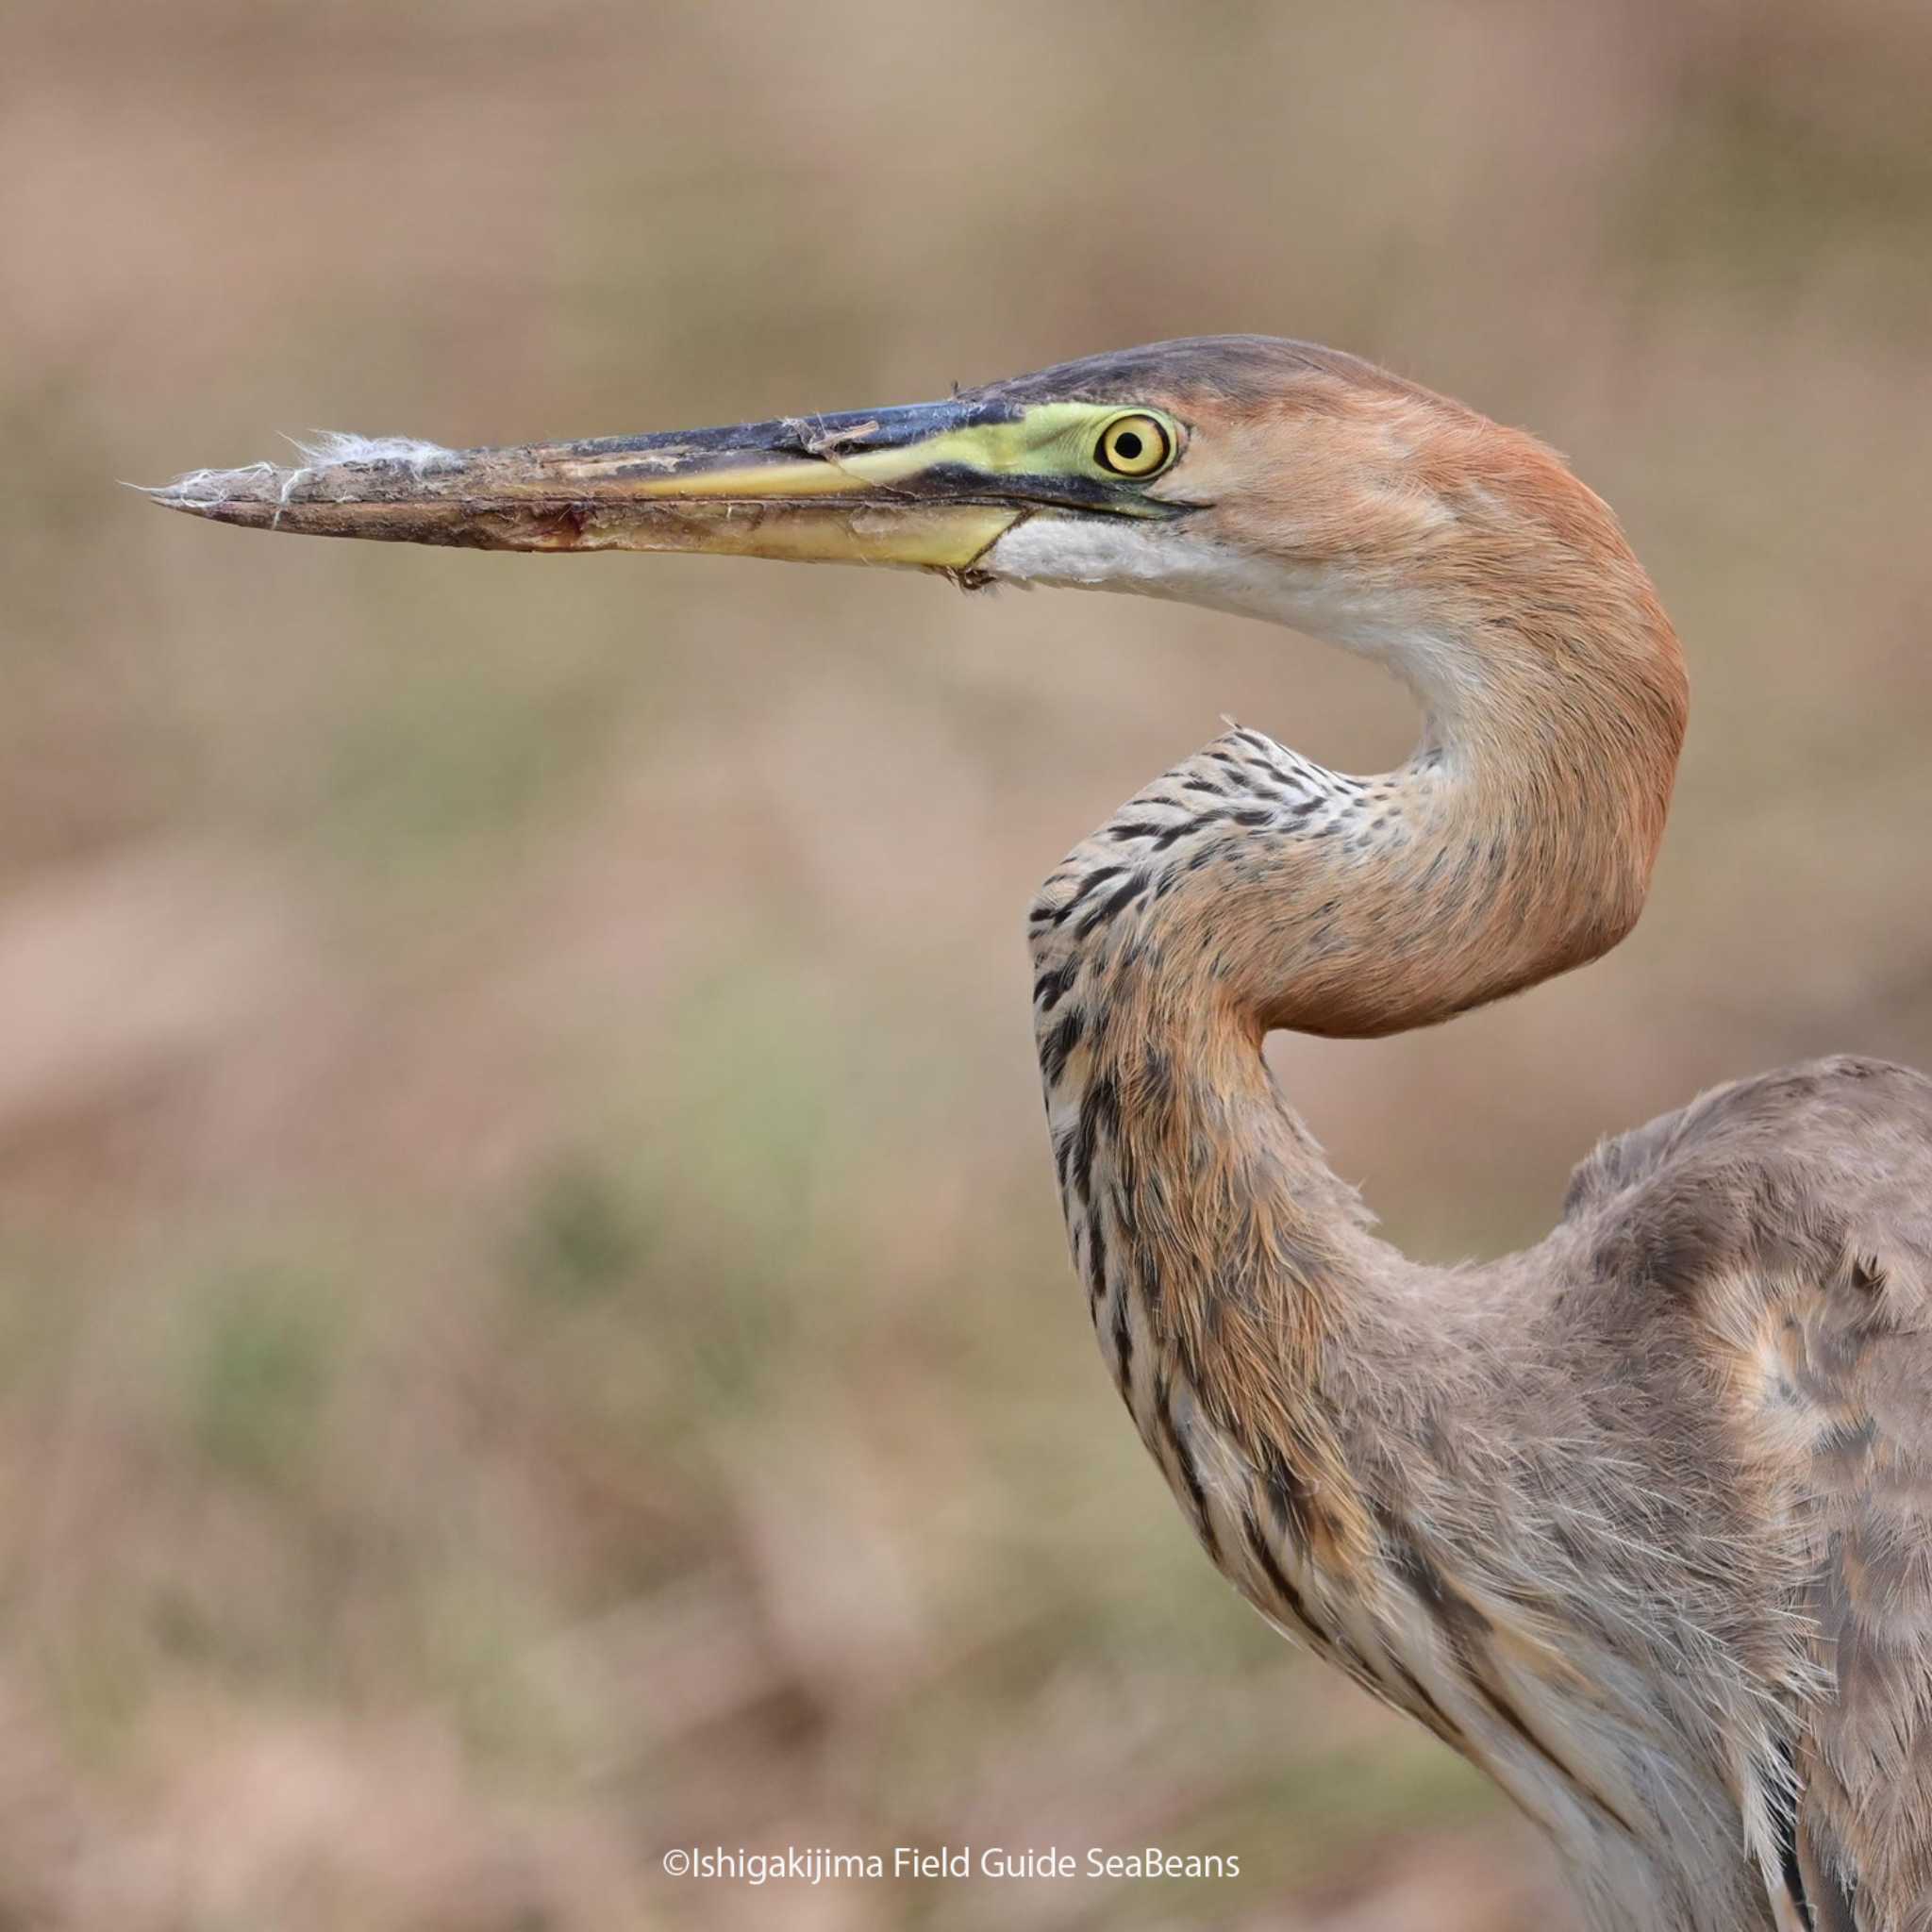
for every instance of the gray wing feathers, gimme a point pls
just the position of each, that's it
(1792, 1216)
(1865, 1756)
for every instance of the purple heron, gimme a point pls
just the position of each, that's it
(1639, 1519)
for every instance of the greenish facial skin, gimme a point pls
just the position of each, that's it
(930, 487)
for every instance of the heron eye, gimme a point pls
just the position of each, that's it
(1134, 446)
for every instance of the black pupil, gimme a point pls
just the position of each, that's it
(1126, 445)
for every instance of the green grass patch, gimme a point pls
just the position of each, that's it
(261, 1364)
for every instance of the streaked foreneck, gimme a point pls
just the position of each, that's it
(1224, 1264)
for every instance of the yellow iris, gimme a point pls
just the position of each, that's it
(1134, 446)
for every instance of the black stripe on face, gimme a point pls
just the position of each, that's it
(1050, 489)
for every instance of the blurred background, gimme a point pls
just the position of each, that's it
(534, 1325)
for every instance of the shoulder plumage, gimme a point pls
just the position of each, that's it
(1786, 1223)
(1819, 1112)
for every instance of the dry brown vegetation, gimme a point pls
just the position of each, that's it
(533, 1325)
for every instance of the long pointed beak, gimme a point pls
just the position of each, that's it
(930, 487)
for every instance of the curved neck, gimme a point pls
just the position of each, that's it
(1248, 889)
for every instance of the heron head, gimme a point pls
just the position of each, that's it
(1169, 470)
(1244, 472)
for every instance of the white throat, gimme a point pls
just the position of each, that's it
(1388, 624)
